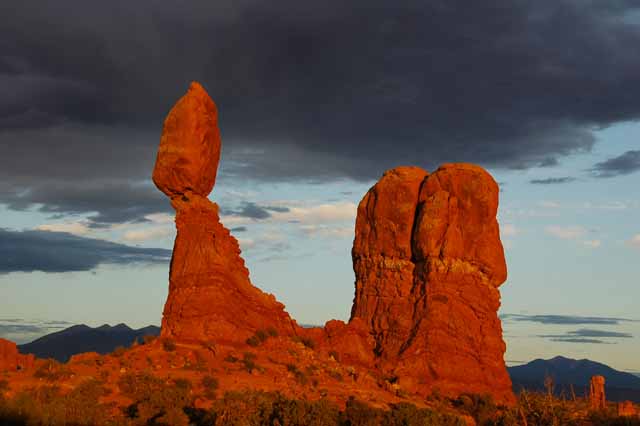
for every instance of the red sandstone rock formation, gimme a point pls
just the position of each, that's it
(428, 262)
(210, 294)
(597, 396)
(427, 257)
(11, 359)
(627, 409)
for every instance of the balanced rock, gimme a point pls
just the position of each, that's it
(428, 262)
(210, 294)
(190, 145)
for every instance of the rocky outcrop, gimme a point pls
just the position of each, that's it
(428, 262)
(597, 397)
(627, 409)
(427, 257)
(210, 294)
(11, 359)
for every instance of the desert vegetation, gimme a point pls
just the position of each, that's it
(155, 401)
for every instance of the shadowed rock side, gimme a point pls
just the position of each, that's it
(210, 294)
(428, 262)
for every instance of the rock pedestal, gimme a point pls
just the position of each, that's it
(428, 262)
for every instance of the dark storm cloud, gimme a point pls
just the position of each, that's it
(310, 90)
(552, 181)
(106, 202)
(565, 319)
(28, 251)
(624, 164)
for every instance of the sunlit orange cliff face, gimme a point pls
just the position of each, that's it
(427, 257)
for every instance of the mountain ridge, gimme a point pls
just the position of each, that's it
(573, 375)
(79, 338)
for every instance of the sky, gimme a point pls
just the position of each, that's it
(316, 101)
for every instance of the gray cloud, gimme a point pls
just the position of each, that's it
(24, 330)
(306, 91)
(239, 229)
(254, 211)
(581, 340)
(624, 164)
(28, 251)
(552, 180)
(586, 333)
(565, 319)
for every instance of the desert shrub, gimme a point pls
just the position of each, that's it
(231, 358)
(405, 414)
(261, 336)
(210, 385)
(119, 351)
(480, 407)
(543, 409)
(306, 341)
(358, 413)
(253, 341)
(52, 371)
(45, 405)
(334, 355)
(155, 402)
(299, 376)
(307, 413)
(335, 375)
(249, 362)
(183, 383)
(169, 344)
(604, 418)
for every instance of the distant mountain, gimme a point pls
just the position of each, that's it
(82, 338)
(568, 372)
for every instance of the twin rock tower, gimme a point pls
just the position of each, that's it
(427, 258)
